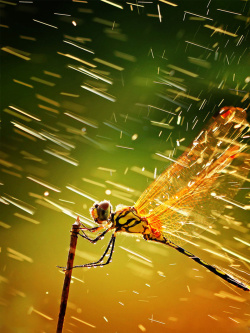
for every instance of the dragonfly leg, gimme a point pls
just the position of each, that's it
(83, 227)
(95, 239)
(91, 229)
(99, 262)
(110, 247)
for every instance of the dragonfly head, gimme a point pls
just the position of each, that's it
(101, 211)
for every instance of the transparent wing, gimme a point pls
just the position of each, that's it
(181, 200)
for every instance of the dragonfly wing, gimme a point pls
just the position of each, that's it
(180, 201)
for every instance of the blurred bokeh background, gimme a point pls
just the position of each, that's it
(90, 92)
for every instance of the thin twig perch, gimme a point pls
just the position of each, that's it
(68, 272)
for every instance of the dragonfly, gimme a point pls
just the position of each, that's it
(177, 206)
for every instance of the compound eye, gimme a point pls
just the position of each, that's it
(94, 214)
(104, 205)
(96, 205)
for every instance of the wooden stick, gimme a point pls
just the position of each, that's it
(68, 272)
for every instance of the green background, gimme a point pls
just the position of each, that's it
(128, 293)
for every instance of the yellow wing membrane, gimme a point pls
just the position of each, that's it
(181, 200)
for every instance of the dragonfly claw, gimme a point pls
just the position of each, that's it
(63, 268)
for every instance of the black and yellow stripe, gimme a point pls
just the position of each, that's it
(127, 220)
